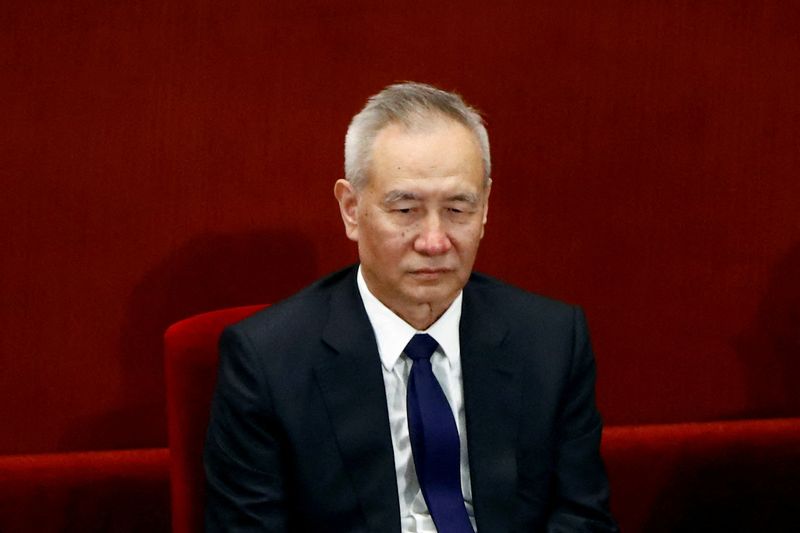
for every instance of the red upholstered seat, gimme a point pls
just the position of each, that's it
(114, 491)
(190, 358)
(732, 476)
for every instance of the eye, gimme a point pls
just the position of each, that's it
(403, 210)
(455, 210)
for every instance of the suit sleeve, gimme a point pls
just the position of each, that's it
(245, 486)
(581, 483)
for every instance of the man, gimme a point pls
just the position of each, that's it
(407, 393)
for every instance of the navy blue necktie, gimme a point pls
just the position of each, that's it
(434, 441)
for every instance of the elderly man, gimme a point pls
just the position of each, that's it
(408, 393)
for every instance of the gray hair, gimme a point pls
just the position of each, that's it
(412, 105)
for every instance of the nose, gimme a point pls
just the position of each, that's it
(432, 239)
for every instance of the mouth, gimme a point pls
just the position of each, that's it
(430, 273)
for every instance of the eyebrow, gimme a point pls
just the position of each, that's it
(469, 198)
(399, 196)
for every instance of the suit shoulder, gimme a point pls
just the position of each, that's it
(515, 302)
(299, 313)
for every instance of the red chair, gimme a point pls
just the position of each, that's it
(190, 359)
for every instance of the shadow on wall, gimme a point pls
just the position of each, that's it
(770, 349)
(210, 272)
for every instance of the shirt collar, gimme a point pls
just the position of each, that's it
(392, 333)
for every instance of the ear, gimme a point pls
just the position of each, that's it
(487, 190)
(347, 197)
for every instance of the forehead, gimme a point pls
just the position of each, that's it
(441, 148)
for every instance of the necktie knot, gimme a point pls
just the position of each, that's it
(421, 346)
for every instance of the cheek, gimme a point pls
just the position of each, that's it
(468, 237)
(383, 234)
(388, 246)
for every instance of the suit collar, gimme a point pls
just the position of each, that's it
(353, 391)
(491, 403)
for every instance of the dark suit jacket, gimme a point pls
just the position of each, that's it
(299, 436)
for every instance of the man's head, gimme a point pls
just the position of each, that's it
(416, 197)
(412, 105)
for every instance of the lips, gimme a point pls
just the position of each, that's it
(430, 273)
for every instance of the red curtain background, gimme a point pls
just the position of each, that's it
(163, 158)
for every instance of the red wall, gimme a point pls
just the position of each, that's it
(161, 158)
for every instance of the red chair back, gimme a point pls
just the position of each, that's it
(190, 359)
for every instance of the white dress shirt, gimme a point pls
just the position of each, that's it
(393, 334)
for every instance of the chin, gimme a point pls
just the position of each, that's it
(434, 294)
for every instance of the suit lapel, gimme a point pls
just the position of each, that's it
(491, 403)
(352, 387)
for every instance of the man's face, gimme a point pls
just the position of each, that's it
(419, 219)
